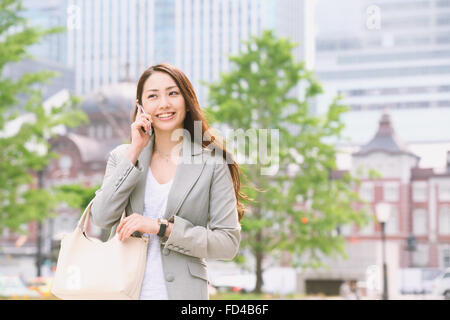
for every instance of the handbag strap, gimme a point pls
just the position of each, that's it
(84, 219)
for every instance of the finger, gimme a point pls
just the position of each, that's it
(123, 232)
(144, 120)
(148, 117)
(139, 124)
(148, 124)
(128, 231)
(146, 127)
(120, 230)
(119, 227)
(128, 223)
(122, 222)
(143, 116)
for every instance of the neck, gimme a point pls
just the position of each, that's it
(163, 142)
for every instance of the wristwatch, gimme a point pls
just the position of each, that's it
(163, 224)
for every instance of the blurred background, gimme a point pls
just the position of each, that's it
(389, 60)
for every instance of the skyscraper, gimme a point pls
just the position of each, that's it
(387, 55)
(45, 15)
(112, 40)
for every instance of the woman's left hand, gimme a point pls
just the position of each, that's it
(135, 222)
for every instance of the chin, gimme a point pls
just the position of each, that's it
(169, 127)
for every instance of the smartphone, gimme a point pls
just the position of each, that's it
(143, 129)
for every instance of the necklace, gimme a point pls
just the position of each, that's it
(165, 155)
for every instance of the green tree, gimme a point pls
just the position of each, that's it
(75, 195)
(257, 93)
(78, 197)
(19, 156)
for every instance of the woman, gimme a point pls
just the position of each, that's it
(178, 193)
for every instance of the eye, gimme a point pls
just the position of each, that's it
(150, 96)
(174, 92)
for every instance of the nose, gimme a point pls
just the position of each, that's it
(163, 101)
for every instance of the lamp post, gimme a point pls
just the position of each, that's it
(411, 243)
(40, 175)
(383, 211)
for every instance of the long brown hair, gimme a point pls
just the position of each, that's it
(195, 114)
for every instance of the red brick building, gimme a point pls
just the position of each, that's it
(83, 154)
(419, 199)
(418, 231)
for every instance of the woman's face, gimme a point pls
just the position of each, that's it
(161, 95)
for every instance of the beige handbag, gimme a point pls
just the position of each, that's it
(91, 269)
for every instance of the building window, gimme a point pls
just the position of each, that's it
(419, 192)
(6, 233)
(100, 132)
(346, 229)
(390, 191)
(444, 192)
(108, 132)
(368, 229)
(420, 256)
(419, 222)
(92, 132)
(392, 223)
(444, 220)
(445, 258)
(366, 191)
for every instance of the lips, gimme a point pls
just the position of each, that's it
(166, 115)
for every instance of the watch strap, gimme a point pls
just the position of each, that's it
(162, 229)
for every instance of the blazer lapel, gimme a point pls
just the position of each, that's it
(185, 177)
(189, 168)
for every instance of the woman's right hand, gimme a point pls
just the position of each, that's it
(139, 138)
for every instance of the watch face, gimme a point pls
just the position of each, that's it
(162, 221)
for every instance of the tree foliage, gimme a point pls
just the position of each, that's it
(260, 92)
(24, 147)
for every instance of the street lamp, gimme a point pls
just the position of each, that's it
(383, 211)
(411, 244)
(40, 176)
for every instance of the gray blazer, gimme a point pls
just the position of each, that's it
(201, 204)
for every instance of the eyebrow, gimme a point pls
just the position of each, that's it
(166, 88)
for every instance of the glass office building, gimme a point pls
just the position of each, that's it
(387, 55)
(111, 40)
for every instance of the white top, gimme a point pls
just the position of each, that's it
(154, 283)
